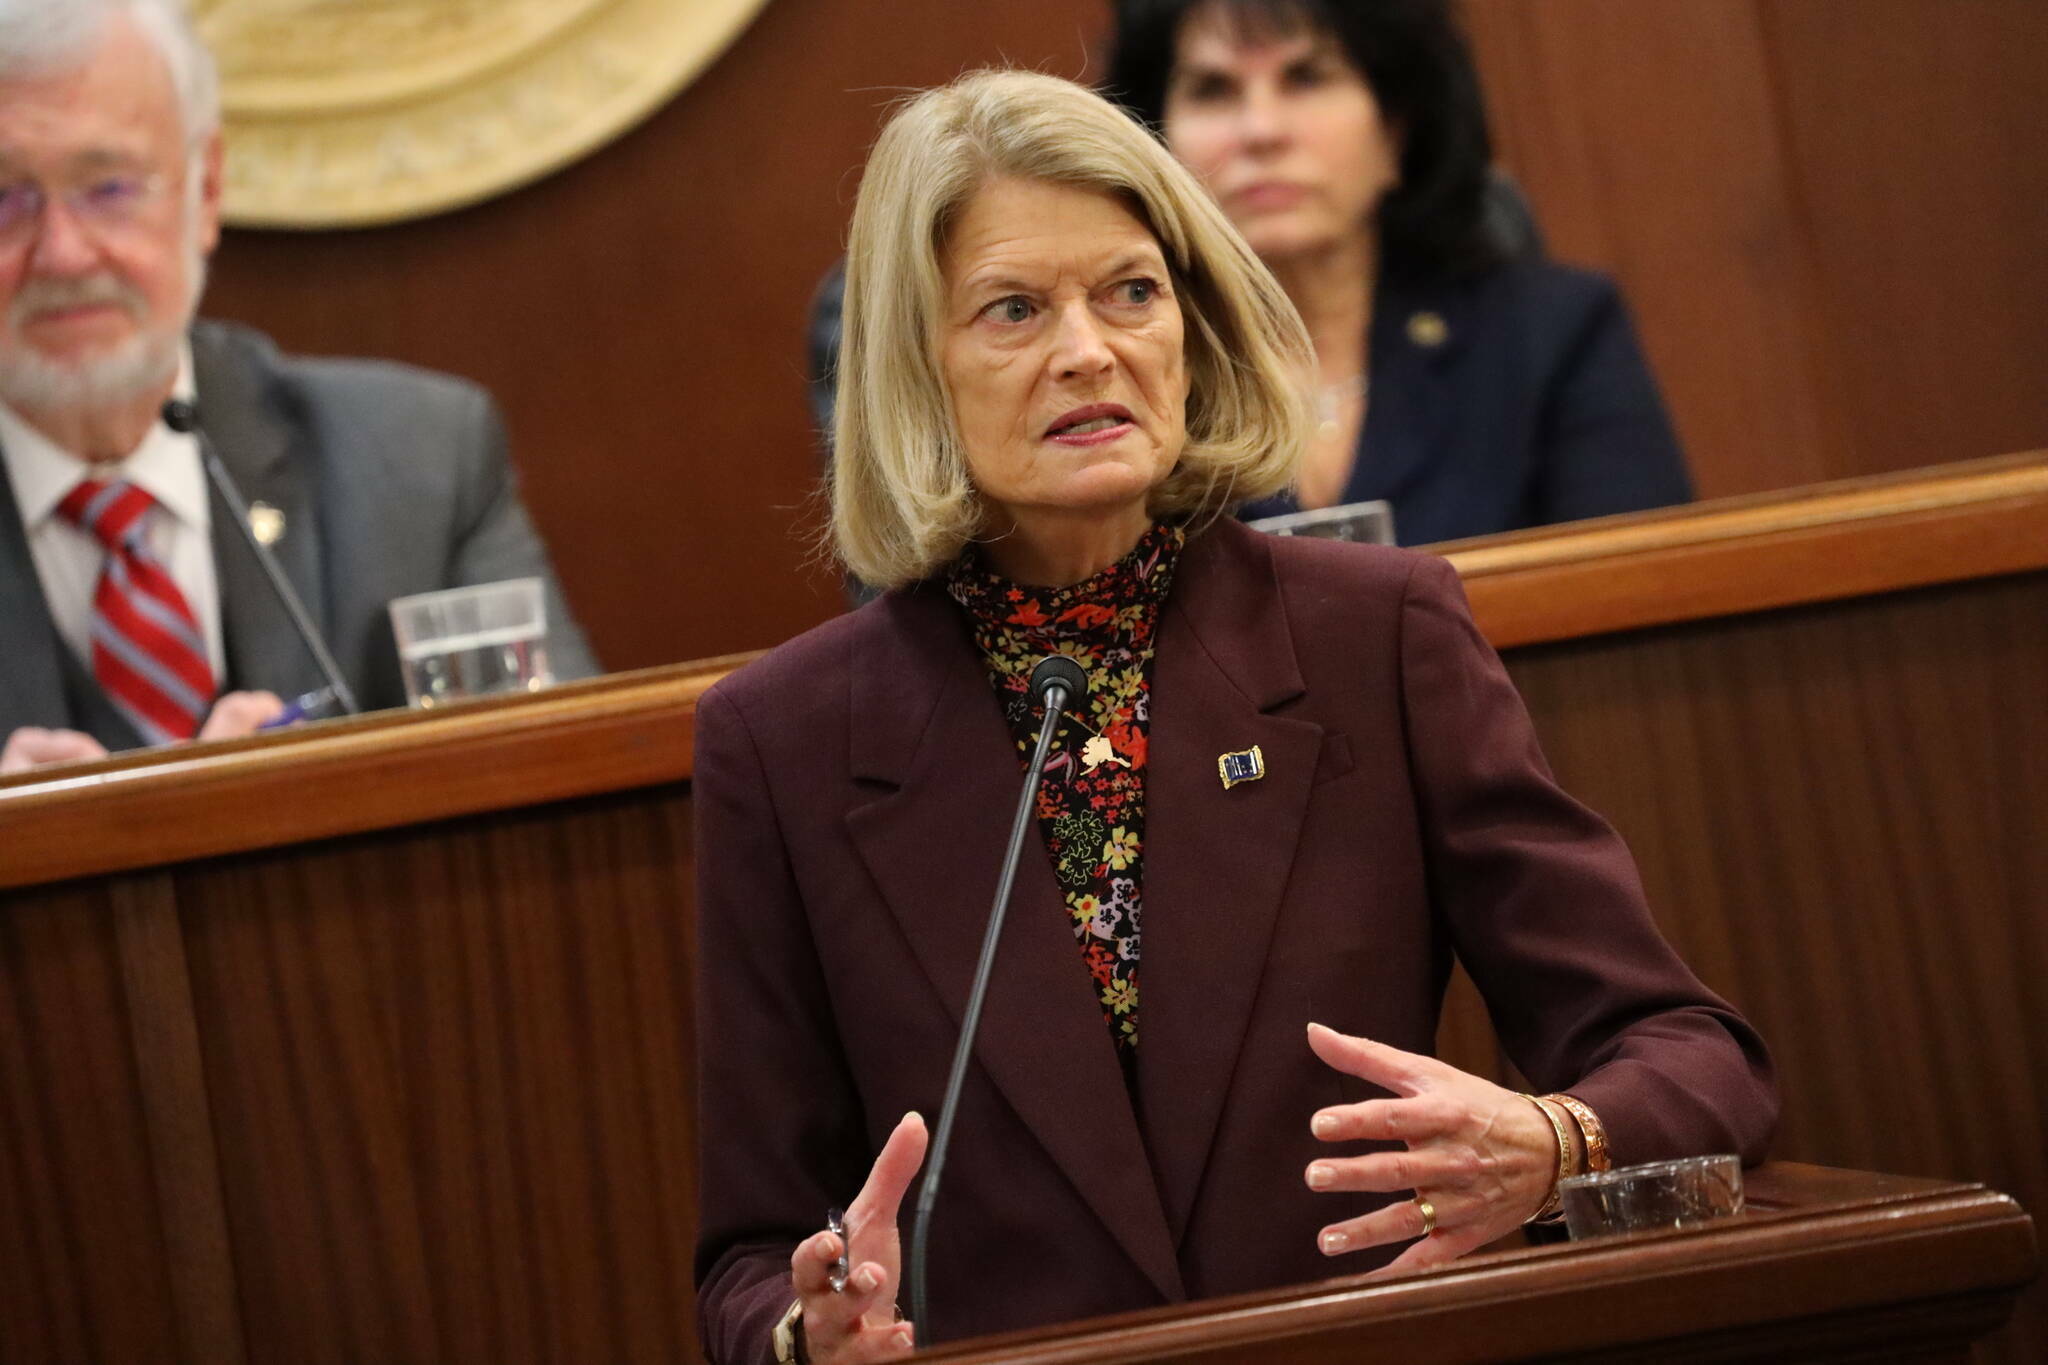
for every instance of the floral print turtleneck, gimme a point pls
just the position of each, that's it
(1091, 805)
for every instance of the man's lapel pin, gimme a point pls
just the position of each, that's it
(266, 522)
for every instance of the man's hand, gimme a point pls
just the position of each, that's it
(233, 716)
(32, 746)
(241, 713)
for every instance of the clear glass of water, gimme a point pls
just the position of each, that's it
(1654, 1197)
(472, 642)
(1369, 523)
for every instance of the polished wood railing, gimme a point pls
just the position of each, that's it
(1738, 556)
(1978, 519)
(351, 776)
(1825, 1265)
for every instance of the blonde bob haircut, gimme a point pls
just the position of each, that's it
(903, 505)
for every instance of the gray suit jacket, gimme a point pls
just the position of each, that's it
(392, 480)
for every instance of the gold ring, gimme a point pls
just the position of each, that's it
(1428, 1215)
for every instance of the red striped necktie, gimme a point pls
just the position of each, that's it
(147, 652)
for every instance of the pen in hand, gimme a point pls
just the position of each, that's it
(308, 705)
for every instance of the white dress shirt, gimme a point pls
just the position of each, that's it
(68, 558)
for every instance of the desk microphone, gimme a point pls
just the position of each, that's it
(1056, 681)
(183, 418)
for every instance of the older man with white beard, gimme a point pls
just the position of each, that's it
(131, 613)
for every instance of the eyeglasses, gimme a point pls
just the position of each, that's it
(106, 203)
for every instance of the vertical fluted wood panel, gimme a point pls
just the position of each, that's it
(451, 1076)
(1838, 814)
(177, 1117)
(83, 1264)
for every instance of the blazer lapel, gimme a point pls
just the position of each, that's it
(1416, 334)
(946, 780)
(255, 442)
(31, 651)
(1216, 860)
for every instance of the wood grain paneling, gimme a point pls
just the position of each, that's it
(1837, 811)
(1825, 213)
(1975, 520)
(178, 1120)
(1829, 1265)
(1911, 133)
(85, 1274)
(1646, 135)
(451, 1086)
(143, 809)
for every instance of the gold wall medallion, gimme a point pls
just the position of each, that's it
(347, 113)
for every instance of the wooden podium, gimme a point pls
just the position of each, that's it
(372, 1041)
(1824, 1265)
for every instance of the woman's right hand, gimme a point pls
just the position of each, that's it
(860, 1324)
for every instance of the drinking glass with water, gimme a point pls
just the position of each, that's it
(1368, 523)
(472, 642)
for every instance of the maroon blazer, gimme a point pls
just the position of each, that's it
(853, 791)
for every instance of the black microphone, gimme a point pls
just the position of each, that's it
(183, 418)
(1056, 681)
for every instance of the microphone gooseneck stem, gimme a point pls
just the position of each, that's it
(182, 417)
(935, 1162)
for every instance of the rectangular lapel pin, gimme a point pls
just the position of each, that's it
(1248, 765)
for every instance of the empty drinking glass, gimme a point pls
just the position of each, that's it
(1652, 1197)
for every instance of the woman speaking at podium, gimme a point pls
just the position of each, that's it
(1298, 786)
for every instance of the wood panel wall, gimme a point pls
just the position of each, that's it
(1827, 214)
(1824, 212)
(1836, 812)
(419, 1096)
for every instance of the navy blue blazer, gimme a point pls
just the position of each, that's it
(1516, 397)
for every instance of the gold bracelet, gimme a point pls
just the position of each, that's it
(1552, 1210)
(1598, 1158)
(788, 1336)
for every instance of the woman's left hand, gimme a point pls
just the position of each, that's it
(1482, 1157)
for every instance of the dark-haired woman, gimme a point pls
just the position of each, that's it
(1473, 385)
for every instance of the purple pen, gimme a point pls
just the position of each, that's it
(300, 708)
